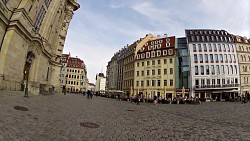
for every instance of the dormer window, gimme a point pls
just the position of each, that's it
(152, 53)
(148, 55)
(149, 47)
(165, 52)
(158, 53)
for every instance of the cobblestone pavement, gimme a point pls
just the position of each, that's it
(59, 117)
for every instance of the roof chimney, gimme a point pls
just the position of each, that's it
(165, 35)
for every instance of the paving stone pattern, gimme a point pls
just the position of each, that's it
(59, 117)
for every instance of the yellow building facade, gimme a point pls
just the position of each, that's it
(155, 69)
(243, 52)
(32, 36)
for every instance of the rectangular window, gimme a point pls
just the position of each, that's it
(159, 62)
(207, 69)
(216, 58)
(153, 82)
(148, 55)
(158, 53)
(217, 69)
(142, 63)
(219, 47)
(210, 47)
(147, 72)
(202, 82)
(165, 61)
(159, 71)
(158, 82)
(221, 58)
(165, 82)
(170, 52)
(39, 19)
(197, 82)
(142, 83)
(142, 73)
(137, 73)
(153, 62)
(206, 58)
(148, 63)
(194, 48)
(202, 70)
(222, 69)
(218, 81)
(171, 82)
(223, 47)
(208, 81)
(199, 46)
(205, 47)
(196, 70)
(152, 53)
(215, 48)
(137, 83)
(211, 58)
(223, 81)
(165, 71)
(171, 70)
(213, 81)
(170, 60)
(212, 69)
(138, 65)
(195, 58)
(147, 82)
(201, 58)
(153, 72)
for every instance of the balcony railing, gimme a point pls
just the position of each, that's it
(217, 86)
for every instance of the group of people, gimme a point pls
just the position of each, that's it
(90, 94)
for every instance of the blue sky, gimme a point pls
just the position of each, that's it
(102, 27)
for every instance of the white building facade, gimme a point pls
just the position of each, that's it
(214, 70)
(100, 83)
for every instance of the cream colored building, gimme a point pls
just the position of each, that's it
(243, 52)
(155, 68)
(76, 75)
(32, 36)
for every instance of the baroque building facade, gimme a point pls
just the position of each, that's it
(73, 74)
(243, 52)
(155, 68)
(33, 32)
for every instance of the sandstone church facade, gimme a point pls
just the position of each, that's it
(32, 36)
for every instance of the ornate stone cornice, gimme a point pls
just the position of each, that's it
(74, 4)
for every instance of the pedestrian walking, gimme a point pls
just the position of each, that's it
(138, 99)
(88, 94)
(64, 89)
(155, 99)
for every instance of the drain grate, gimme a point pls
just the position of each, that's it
(89, 125)
(21, 108)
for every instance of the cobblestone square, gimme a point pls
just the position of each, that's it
(60, 117)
